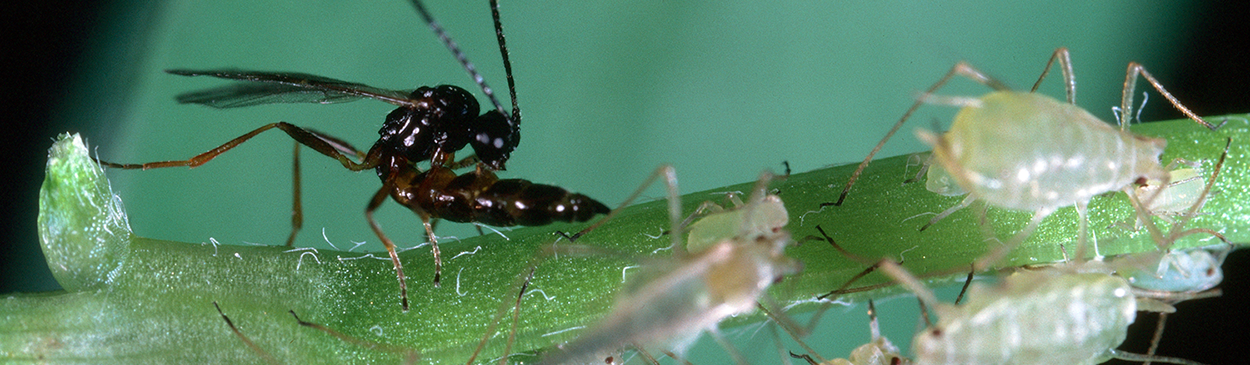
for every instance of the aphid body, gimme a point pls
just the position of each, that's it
(1016, 150)
(767, 217)
(1026, 151)
(1047, 316)
(1174, 198)
(1192, 270)
(1032, 317)
(672, 300)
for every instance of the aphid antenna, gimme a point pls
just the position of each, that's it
(1130, 83)
(515, 116)
(410, 355)
(962, 69)
(1129, 356)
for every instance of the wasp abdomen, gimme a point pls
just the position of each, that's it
(479, 196)
(524, 203)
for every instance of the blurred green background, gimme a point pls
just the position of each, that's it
(609, 90)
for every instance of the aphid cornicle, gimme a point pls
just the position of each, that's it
(1027, 151)
(431, 124)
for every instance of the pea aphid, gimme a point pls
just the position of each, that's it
(669, 301)
(768, 216)
(1027, 151)
(1048, 316)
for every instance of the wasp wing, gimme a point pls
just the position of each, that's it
(282, 87)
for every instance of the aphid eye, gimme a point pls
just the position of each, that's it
(494, 139)
(1142, 181)
(937, 332)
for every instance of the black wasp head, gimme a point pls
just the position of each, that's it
(494, 138)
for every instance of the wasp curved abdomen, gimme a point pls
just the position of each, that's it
(521, 202)
(479, 196)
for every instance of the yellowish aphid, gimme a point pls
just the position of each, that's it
(768, 217)
(878, 351)
(1027, 151)
(938, 181)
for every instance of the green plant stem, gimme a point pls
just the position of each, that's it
(135, 300)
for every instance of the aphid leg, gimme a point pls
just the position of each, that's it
(646, 356)
(252, 345)
(674, 205)
(673, 356)
(963, 204)
(1065, 64)
(729, 347)
(924, 314)
(516, 314)
(792, 328)
(960, 68)
(967, 282)
(1082, 214)
(781, 349)
(804, 357)
(376, 202)
(1001, 252)
(410, 355)
(1154, 340)
(1130, 83)
(708, 208)
(908, 281)
(924, 167)
(873, 328)
(848, 254)
(1176, 230)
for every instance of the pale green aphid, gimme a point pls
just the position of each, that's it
(767, 217)
(1178, 271)
(1048, 316)
(1174, 198)
(938, 181)
(1192, 270)
(669, 301)
(1027, 151)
